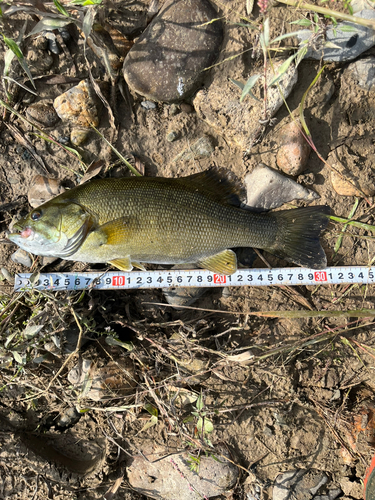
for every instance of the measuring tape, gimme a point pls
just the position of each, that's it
(194, 278)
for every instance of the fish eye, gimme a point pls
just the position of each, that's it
(36, 215)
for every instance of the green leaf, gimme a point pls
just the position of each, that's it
(199, 404)
(283, 69)
(248, 86)
(239, 84)
(61, 8)
(151, 409)
(348, 29)
(11, 44)
(302, 22)
(49, 24)
(286, 35)
(301, 54)
(205, 426)
(112, 341)
(30, 331)
(316, 18)
(331, 45)
(18, 358)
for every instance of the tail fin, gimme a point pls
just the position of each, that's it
(298, 236)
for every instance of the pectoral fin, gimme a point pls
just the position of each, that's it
(123, 264)
(221, 263)
(118, 231)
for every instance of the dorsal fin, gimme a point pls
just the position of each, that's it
(219, 184)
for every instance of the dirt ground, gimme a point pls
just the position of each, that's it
(283, 393)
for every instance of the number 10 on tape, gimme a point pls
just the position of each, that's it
(194, 278)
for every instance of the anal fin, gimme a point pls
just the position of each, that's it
(138, 265)
(224, 262)
(123, 264)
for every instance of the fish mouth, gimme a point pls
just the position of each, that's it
(25, 233)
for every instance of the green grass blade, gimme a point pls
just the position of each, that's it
(119, 155)
(341, 237)
(61, 8)
(12, 45)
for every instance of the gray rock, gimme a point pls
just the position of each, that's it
(350, 44)
(298, 484)
(172, 136)
(183, 296)
(171, 477)
(363, 71)
(148, 105)
(268, 189)
(166, 62)
(334, 493)
(200, 148)
(22, 257)
(238, 122)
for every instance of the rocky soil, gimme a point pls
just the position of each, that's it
(118, 395)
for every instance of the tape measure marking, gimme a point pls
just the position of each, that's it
(195, 278)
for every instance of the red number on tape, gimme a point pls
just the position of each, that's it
(320, 276)
(220, 279)
(118, 280)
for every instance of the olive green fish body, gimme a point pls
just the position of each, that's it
(195, 219)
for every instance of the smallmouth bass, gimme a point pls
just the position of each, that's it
(194, 219)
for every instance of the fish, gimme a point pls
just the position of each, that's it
(132, 221)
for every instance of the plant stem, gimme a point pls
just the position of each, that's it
(369, 23)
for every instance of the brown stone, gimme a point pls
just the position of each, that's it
(43, 113)
(294, 150)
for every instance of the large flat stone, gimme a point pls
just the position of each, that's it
(167, 61)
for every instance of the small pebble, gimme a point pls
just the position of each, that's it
(187, 108)
(294, 151)
(43, 189)
(43, 113)
(70, 417)
(174, 109)
(172, 136)
(199, 149)
(79, 135)
(350, 187)
(53, 46)
(65, 35)
(77, 106)
(269, 189)
(46, 261)
(7, 275)
(148, 105)
(22, 257)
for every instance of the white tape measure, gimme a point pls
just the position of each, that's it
(117, 280)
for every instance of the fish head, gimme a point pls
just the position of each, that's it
(55, 229)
